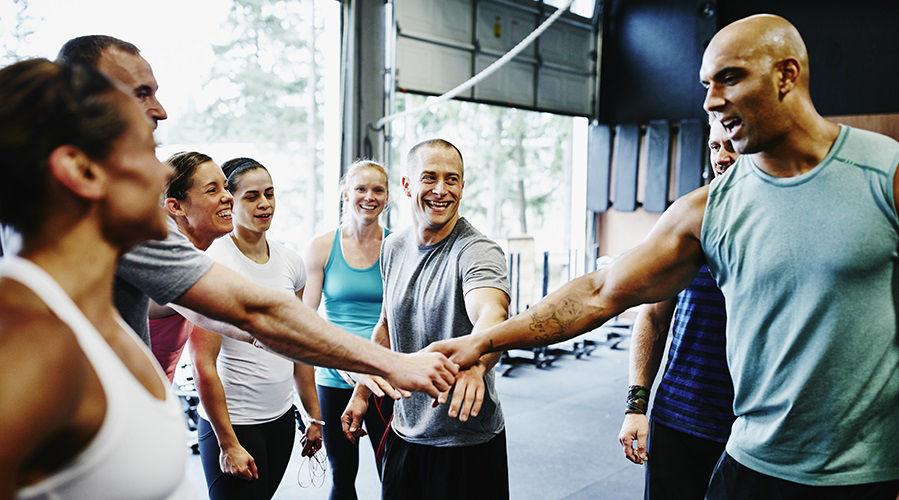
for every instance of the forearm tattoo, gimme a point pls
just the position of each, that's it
(551, 322)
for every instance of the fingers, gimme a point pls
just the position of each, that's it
(351, 422)
(458, 396)
(473, 401)
(386, 388)
(441, 399)
(642, 435)
(374, 387)
(252, 469)
(626, 438)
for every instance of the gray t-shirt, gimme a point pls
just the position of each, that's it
(424, 301)
(163, 270)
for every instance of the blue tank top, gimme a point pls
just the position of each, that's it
(696, 395)
(809, 267)
(352, 301)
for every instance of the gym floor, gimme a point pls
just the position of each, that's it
(562, 427)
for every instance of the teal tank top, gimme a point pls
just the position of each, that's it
(352, 301)
(808, 266)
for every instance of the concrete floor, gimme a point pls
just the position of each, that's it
(562, 427)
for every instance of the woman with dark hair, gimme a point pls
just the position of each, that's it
(199, 207)
(246, 428)
(343, 266)
(85, 411)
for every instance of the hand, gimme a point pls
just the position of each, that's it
(312, 441)
(351, 420)
(236, 461)
(468, 393)
(464, 351)
(378, 385)
(427, 372)
(634, 428)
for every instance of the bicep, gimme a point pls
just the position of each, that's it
(486, 303)
(665, 262)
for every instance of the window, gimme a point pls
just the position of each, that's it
(255, 78)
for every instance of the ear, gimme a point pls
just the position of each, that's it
(789, 69)
(74, 170)
(406, 189)
(174, 208)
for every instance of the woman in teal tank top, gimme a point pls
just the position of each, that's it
(343, 266)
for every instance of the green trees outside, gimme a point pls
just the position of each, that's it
(268, 94)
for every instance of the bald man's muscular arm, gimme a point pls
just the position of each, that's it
(662, 265)
(281, 323)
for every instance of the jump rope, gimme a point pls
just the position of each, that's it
(313, 468)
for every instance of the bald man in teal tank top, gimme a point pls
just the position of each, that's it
(802, 237)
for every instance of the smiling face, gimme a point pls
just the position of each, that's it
(254, 201)
(207, 204)
(136, 181)
(366, 194)
(721, 152)
(434, 184)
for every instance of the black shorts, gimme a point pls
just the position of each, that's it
(415, 471)
(734, 481)
(680, 464)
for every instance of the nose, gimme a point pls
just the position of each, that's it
(439, 187)
(227, 197)
(713, 99)
(155, 110)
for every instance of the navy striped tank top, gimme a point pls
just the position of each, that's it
(696, 394)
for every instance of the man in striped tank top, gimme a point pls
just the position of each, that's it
(693, 409)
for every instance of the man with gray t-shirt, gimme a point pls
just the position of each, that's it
(442, 279)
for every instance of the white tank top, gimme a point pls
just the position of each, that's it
(139, 451)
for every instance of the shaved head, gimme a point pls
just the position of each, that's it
(755, 71)
(761, 38)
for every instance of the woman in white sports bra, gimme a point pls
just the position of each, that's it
(86, 412)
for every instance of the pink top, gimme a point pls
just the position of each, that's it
(167, 338)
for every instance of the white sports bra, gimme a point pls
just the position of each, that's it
(139, 451)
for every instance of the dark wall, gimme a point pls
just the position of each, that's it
(853, 49)
(650, 60)
(652, 50)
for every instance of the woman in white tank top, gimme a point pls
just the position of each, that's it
(246, 428)
(85, 411)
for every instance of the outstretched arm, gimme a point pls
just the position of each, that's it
(284, 325)
(663, 264)
(485, 307)
(648, 338)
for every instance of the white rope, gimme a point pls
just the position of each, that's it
(471, 82)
